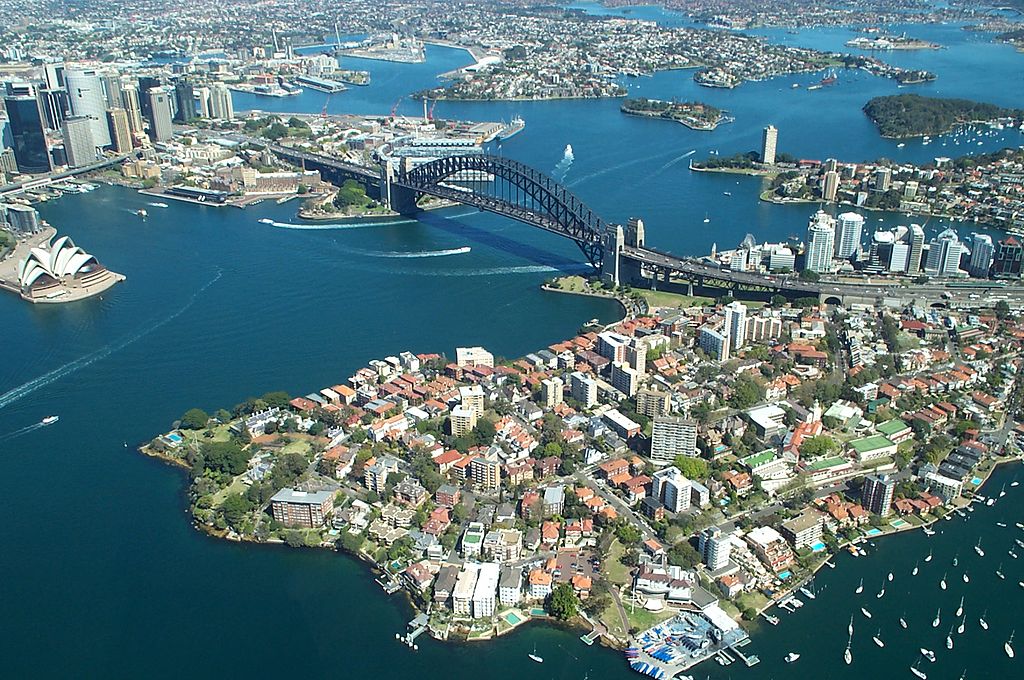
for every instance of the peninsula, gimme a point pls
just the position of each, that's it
(694, 115)
(911, 115)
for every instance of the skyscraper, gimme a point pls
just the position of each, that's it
(821, 234)
(55, 105)
(850, 226)
(883, 177)
(916, 248)
(203, 102)
(78, 141)
(1009, 257)
(221, 106)
(27, 130)
(184, 95)
(830, 185)
(120, 130)
(672, 436)
(160, 114)
(769, 140)
(982, 256)
(876, 494)
(133, 107)
(146, 83)
(736, 324)
(714, 548)
(86, 98)
(944, 254)
(112, 88)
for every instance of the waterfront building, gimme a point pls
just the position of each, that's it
(770, 547)
(120, 129)
(24, 219)
(714, 548)
(820, 242)
(185, 102)
(672, 436)
(805, 529)
(653, 403)
(473, 356)
(916, 249)
(1008, 258)
(714, 343)
(27, 127)
(849, 226)
(86, 98)
(551, 391)
(485, 591)
(625, 379)
(671, 489)
(910, 189)
(944, 254)
(883, 178)
(78, 141)
(946, 488)
(510, 586)
(982, 255)
(830, 185)
(769, 141)
(540, 584)
(472, 397)
(463, 420)
(583, 389)
(221, 106)
(736, 324)
(877, 493)
(465, 588)
(159, 114)
(781, 258)
(294, 508)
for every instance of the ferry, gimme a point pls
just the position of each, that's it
(791, 657)
(49, 420)
(918, 672)
(1008, 646)
(928, 654)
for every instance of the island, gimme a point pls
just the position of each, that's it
(694, 115)
(911, 115)
(881, 43)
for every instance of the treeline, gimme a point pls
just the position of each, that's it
(911, 115)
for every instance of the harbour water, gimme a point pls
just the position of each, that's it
(102, 573)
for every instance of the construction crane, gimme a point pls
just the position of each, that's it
(323, 113)
(430, 114)
(395, 107)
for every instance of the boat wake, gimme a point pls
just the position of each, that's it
(425, 253)
(21, 431)
(158, 205)
(619, 166)
(562, 168)
(25, 389)
(522, 269)
(334, 225)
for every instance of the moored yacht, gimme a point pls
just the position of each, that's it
(936, 621)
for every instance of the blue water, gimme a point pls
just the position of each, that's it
(101, 573)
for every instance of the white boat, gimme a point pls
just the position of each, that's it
(956, 559)
(900, 145)
(928, 531)
(141, 212)
(791, 657)
(860, 587)
(960, 608)
(49, 420)
(1019, 542)
(890, 577)
(1001, 524)
(949, 639)
(967, 579)
(960, 628)
(977, 548)
(881, 593)
(1008, 646)
(1015, 482)
(942, 583)
(534, 657)
(990, 501)
(983, 623)
(999, 572)
(928, 557)
(849, 629)
(918, 672)
(1020, 583)
(1012, 554)
(928, 654)
(915, 570)
(865, 612)
(877, 639)
(935, 622)
(158, 205)
(847, 656)
(903, 623)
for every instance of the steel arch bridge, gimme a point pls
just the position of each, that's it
(512, 189)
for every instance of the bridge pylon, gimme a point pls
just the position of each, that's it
(395, 196)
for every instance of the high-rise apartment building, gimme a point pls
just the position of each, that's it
(769, 140)
(877, 494)
(820, 243)
(849, 225)
(673, 436)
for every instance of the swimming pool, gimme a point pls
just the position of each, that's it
(175, 437)
(898, 523)
(976, 481)
(873, 532)
(512, 619)
(784, 575)
(818, 547)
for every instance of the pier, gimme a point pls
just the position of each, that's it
(417, 627)
(321, 84)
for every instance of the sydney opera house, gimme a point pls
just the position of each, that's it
(61, 272)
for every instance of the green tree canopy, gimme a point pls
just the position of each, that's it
(692, 467)
(227, 457)
(563, 603)
(820, 445)
(195, 419)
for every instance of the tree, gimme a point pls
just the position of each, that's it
(563, 603)
(1002, 309)
(226, 457)
(553, 449)
(351, 542)
(692, 467)
(821, 445)
(627, 534)
(683, 554)
(810, 275)
(746, 392)
(195, 419)
(235, 508)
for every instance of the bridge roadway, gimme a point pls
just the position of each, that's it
(297, 156)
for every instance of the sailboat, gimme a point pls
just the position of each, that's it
(1002, 491)
(860, 587)
(928, 558)
(534, 657)
(903, 623)
(982, 622)
(935, 623)
(960, 628)
(960, 608)
(881, 593)
(942, 583)
(890, 577)
(707, 218)
(977, 549)
(967, 579)
(918, 672)
(915, 570)
(849, 629)
(949, 638)
(865, 612)
(877, 638)
(808, 590)
(956, 559)
(1008, 646)
(999, 571)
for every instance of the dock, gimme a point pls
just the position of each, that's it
(390, 586)
(417, 627)
(322, 84)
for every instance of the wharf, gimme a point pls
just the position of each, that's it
(417, 627)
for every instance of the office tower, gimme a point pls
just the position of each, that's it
(53, 76)
(769, 140)
(916, 249)
(120, 130)
(78, 141)
(27, 130)
(672, 436)
(883, 177)
(184, 96)
(583, 389)
(55, 105)
(112, 88)
(849, 225)
(132, 106)
(23, 219)
(821, 233)
(876, 494)
(5, 134)
(736, 324)
(982, 256)
(203, 102)
(830, 185)
(221, 106)
(85, 96)
(551, 392)
(714, 548)
(160, 114)
(944, 255)
(714, 343)
(146, 83)
(1008, 258)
